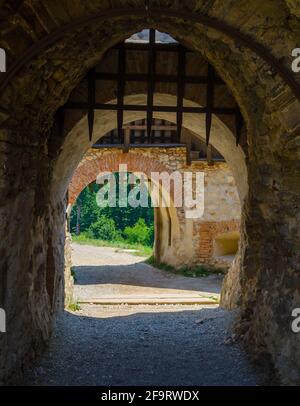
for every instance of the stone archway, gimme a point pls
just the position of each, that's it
(167, 243)
(31, 147)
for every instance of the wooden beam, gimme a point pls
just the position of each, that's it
(188, 148)
(180, 89)
(144, 46)
(155, 127)
(209, 156)
(135, 107)
(144, 77)
(151, 83)
(126, 140)
(121, 90)
(209, 102)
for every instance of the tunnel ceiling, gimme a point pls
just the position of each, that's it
(31, 30)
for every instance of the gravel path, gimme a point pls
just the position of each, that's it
(140, 345)
(144, 345)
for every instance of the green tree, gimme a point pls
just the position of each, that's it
(123, 217)
(104, 229)
(139, 233)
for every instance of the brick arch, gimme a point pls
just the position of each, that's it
(88, 170)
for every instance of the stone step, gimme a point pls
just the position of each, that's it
(151, 300)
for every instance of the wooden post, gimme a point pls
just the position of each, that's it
(188, 148)
(151, 83)
(126, 140)
(209, 156)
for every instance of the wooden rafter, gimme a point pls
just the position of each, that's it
(121, 89)
(151, 82)
(180, 89)
(211, 80)
(163, 109)
(209, 101)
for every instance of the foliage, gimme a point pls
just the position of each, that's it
(110, 223)
(104, 229)
(74, 306)
(140, 233)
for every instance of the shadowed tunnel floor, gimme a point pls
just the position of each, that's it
(144, 345)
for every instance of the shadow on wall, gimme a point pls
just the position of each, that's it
(226, 244)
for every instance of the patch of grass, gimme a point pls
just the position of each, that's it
(73, 273)
(197, 271)
(214, 298)
(160, 265)
(140, 250)
(74, 306)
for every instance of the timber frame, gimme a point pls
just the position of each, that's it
(121, 77)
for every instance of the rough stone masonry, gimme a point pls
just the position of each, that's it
(36, 162)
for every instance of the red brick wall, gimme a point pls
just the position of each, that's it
(88, 170)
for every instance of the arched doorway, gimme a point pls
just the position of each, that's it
(268, 104)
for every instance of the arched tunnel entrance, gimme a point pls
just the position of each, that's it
(49, 110)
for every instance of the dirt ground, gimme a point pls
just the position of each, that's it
(103, 272)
